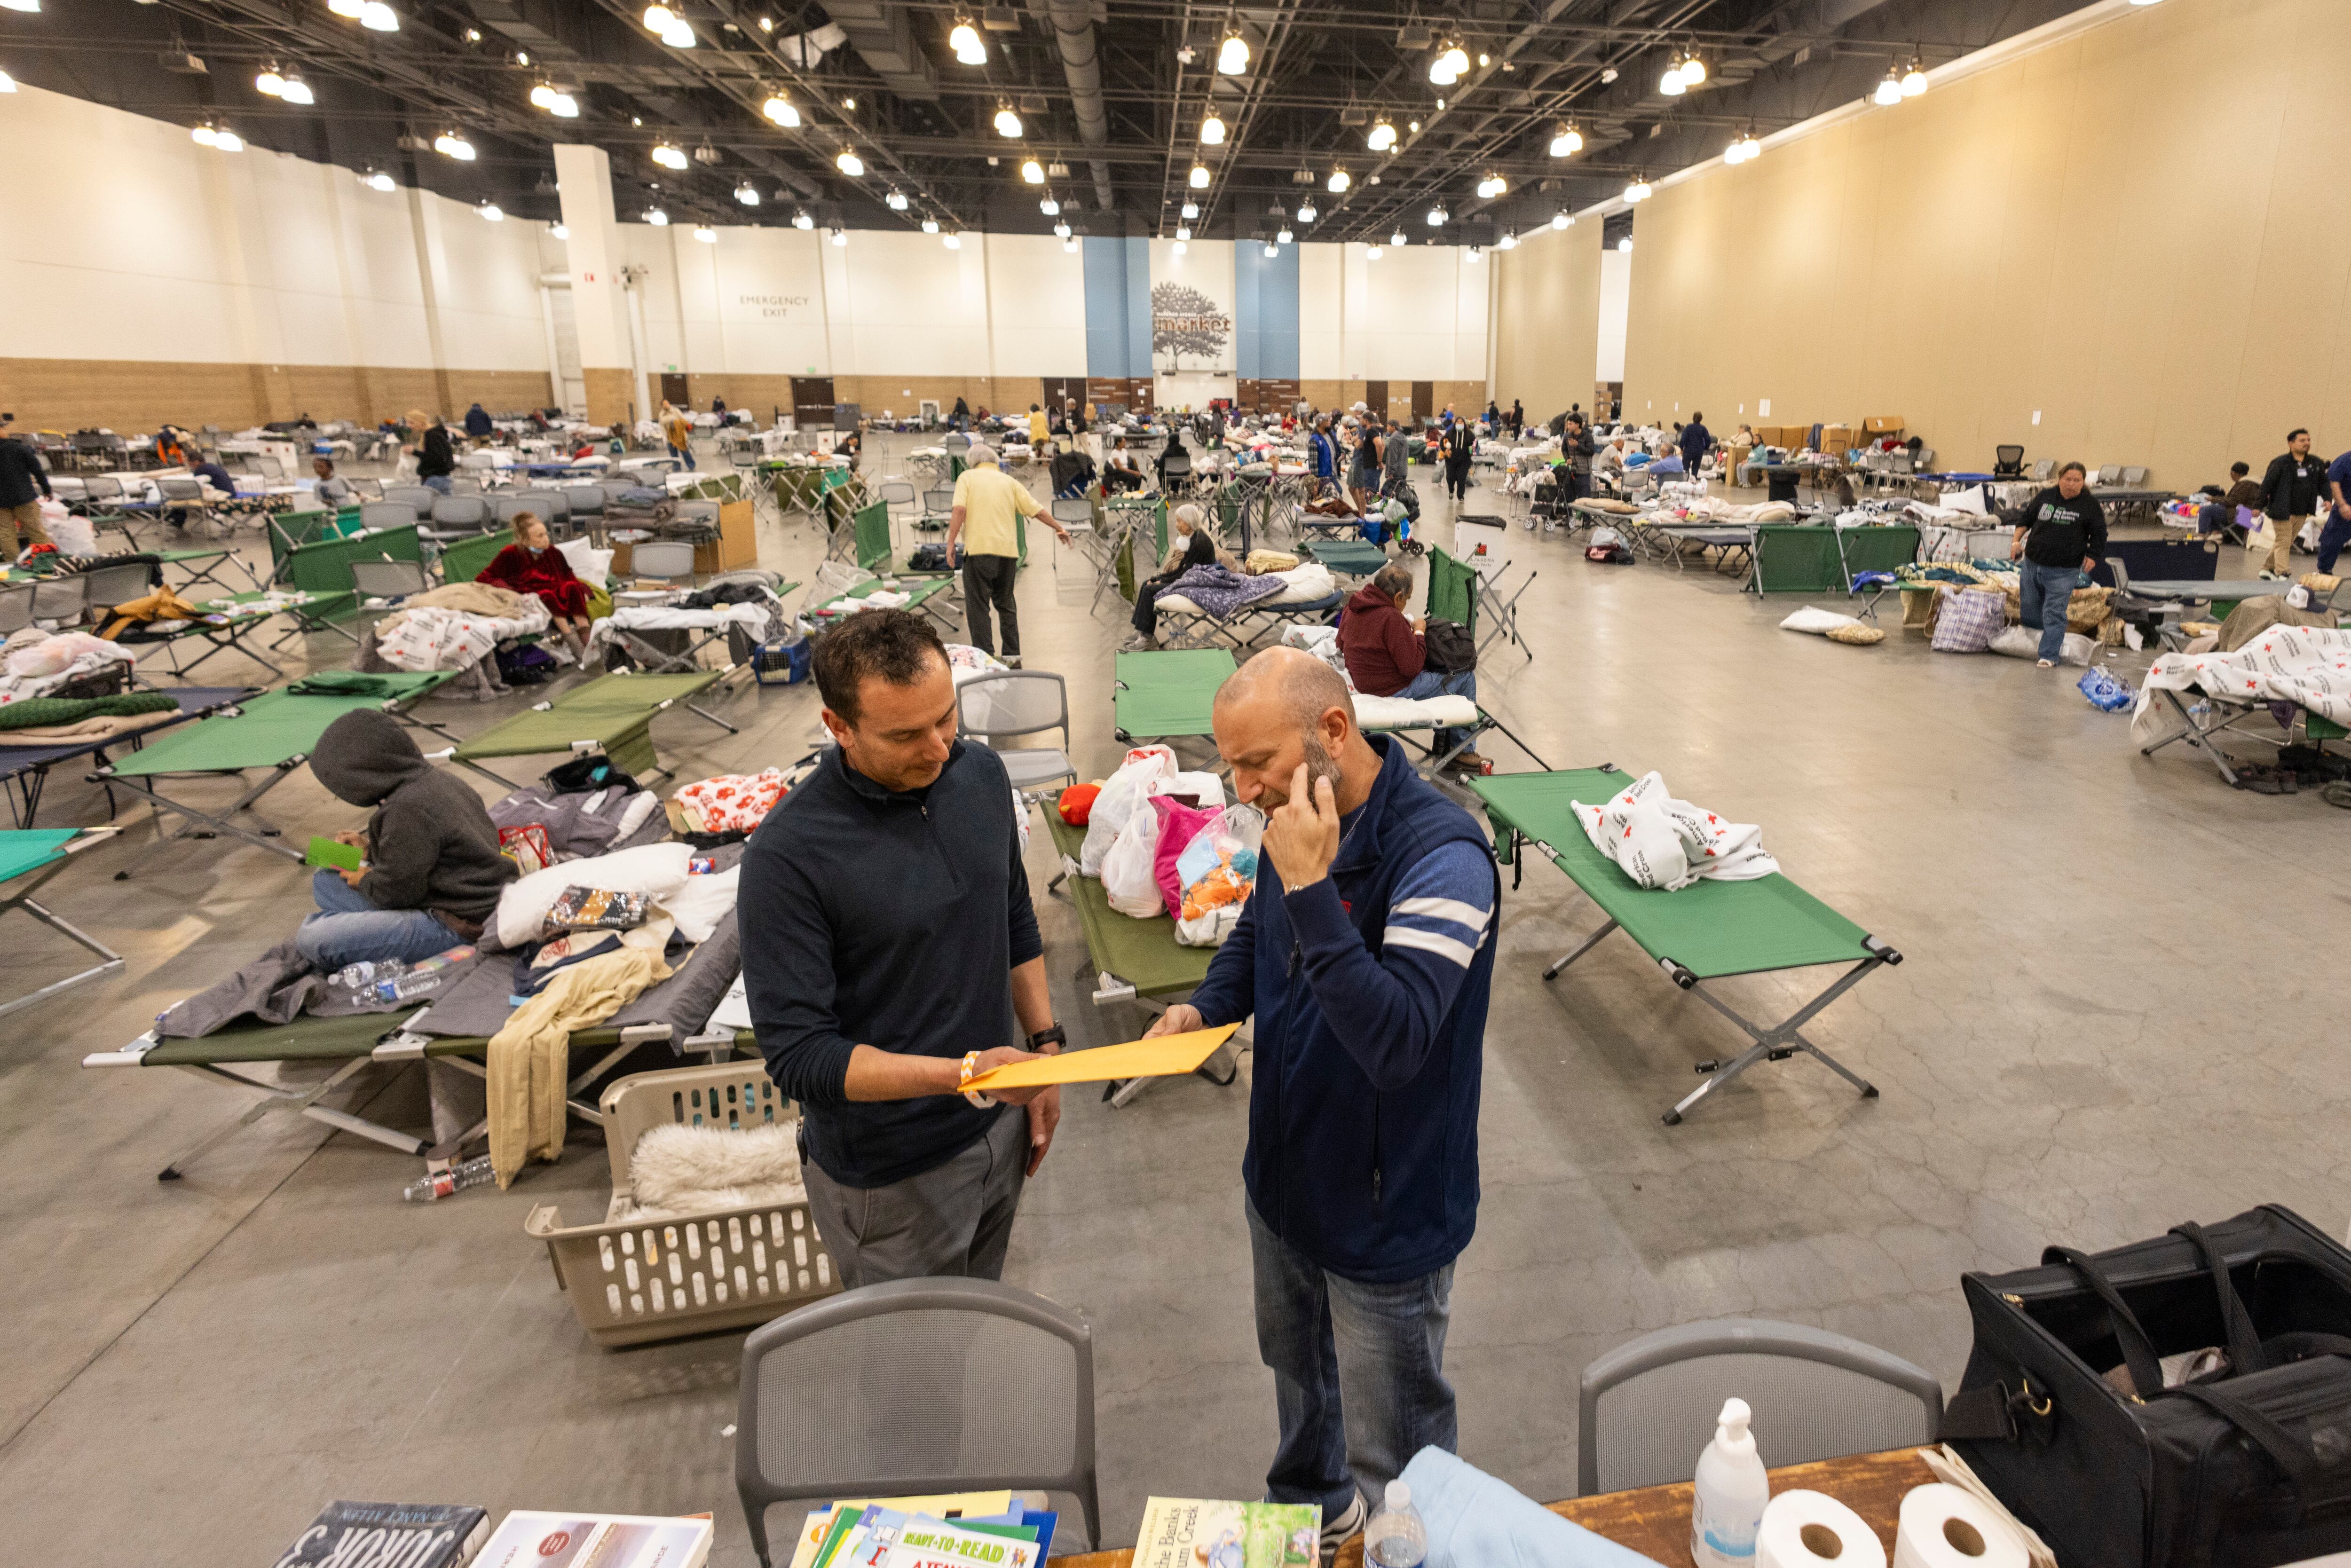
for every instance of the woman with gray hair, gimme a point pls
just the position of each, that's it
(1191, 547)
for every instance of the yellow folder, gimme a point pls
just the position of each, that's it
(1164, 1057)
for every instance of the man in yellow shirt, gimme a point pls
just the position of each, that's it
(988, 505)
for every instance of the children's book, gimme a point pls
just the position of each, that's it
(1198, 1533)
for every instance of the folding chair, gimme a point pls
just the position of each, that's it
(456, 517)
(96, 592)
(887, 1391)
(1175, 477)
(584, 501)
(420, 496)
(669, 560)
(1015, 703)
(391, 580)
(1076, 514)
(899, 497)
(375, 515)
(1644, 1407)
(106, 506)
(2110, 473)
(189, 496)
(938, 508)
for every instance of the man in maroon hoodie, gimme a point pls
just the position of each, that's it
(1388, 657)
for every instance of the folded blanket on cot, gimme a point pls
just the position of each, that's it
(2309, 666)
(435, 637)
(755, 616)
(1220, 592)
(1446, 712)
(1309, 583)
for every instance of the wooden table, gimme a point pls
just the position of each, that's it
(1654, 1520)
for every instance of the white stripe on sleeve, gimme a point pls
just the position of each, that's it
(1429, 942)
(1452, 909)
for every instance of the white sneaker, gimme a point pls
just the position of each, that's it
(1336, 1532)
(2045, 663)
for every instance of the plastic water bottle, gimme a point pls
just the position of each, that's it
(351, 976)
(1726, 1504)
(1395, 1538)
(435, 1186)
(415, 979)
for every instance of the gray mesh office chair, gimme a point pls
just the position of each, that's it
(1648, 1407)
(15, 608)
(505, 509)
(955, 443)
(2133, 477)
(903, 1389)
(584, 500)
(938, 508)
(63, 599)
(668, 560)
(550, 504)
(420, 496)
(1176, 475)
(386, 514)
(188, 495)
(2108, 475)
(458, 517)
(101, 588)
(1014, 703)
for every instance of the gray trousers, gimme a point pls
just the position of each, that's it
(955, 1218)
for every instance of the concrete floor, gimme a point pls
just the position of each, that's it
(2117, 978)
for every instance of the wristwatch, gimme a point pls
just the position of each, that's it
(1056, 1035)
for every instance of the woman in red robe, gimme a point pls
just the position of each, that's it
(532, 565)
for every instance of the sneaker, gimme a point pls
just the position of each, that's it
(1337, 1531)
(2045, 663)
(1138, 643)
(1012, 661)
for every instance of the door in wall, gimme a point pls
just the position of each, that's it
(673, 389)
(1062, 391)
(1423, 400)
(813, 403)
(1375, 399)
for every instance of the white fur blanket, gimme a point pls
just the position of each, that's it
(677, 1172)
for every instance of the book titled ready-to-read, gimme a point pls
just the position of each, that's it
(405, 1534)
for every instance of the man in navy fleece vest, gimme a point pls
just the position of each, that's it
(1366, 954)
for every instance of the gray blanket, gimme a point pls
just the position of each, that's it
(480, 1003)
(275, 989)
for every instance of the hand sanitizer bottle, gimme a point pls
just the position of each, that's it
(1727, 1511)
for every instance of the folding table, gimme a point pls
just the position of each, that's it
(40, 853)
(276, 731)
(1710, 930)
(612, 713)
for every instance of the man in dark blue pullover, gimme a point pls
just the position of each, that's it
(1366, 954)
(888, 943)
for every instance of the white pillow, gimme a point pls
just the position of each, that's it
(655, 869)
(588, 564)
(701, 902)
(1818, 622)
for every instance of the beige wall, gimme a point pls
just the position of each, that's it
(2138, 231)
(1547, 319)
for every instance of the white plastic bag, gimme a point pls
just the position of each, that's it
(1120, 792)
(2024, 643)
(1128, 879)
(71, 535)
(1218, 871)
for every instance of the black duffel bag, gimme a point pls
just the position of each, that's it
(1447, 647)
(2243, 1461)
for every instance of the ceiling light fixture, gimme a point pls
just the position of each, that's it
(1914, 80)
(679, 38)
(849, 163)
(659, 18)
(747, 193)
(1306, 211)
(298, 91)
(1371, 253)
(800, 220)
(1562, 219)
(1451, 64)
(1062, 228)
(1383, 136)
(7, 82)
(350, 11)
(1068, 245)
(1672, 84)
(1284, 237)
(1638, 191)
(1476, 254)
(1190, 209)
(1271, 250)
(839, 237)
(1508, 241)
(896, 201)
(669, 157)
(1566, 142)
(377, 17)
(449, 144)
(377, 180)
(1212, 130)
(1396, 239)
(955, 241)
(1436, 215)
(1031, 171)
(767, 23)
(930, 226)
(656, 217)
(492, 212)
(1181, 248)
(269, 82)
(1048, 205)
(779, 109)
(1008, 122)
(1750, 150)
(542, 96)
(969, 47)
(1625, 245)
(1338, 183)
(203, 135)
(1199, 176)
(1413, 127)
(559, 231)
(1493, 185)
(1889, 92)
(1232, 55)
(1183, 231)
(1693, 70)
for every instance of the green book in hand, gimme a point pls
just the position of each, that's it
(333, 854)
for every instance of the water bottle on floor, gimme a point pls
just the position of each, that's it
(1395, 1538)
(435, 1186)
(418, 979)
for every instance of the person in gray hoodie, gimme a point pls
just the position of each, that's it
(433, 870)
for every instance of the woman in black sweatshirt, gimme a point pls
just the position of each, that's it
(2058, 540)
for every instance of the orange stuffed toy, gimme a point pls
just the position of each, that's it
(1078, 803)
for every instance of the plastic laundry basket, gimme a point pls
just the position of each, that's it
(635, 1280)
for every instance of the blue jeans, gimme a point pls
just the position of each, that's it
(683, 453)
(1435, 684)
(439, 482)
(2043, 593)
(1358, 1373)
(348, 929)
(2331, 539)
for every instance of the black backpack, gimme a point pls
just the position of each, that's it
(1447, 647)
(2244, 1461)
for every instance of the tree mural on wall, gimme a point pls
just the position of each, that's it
(1186, 321)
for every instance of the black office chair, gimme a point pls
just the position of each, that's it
(2008, 462)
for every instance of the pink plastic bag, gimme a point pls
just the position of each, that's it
(1178, 824)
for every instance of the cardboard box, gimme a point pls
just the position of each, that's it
(737, 546)
(1883, 424)
(1838, 438)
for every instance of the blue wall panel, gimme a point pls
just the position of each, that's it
(1265, 309)
(1138, 308)
(1106, 307)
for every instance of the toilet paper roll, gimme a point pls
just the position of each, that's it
(1944, 1526)
(1812, 1530)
